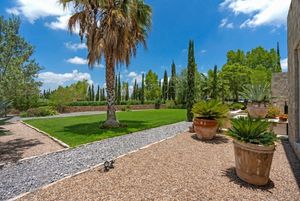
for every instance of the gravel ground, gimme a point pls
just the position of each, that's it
(31, 174)
(21, 142)
(181, 168)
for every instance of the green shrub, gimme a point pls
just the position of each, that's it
(273, 112)
(103, 103)
(170, 104)
(253, 131)
(39, 112)
(211, 109)
(236, 106)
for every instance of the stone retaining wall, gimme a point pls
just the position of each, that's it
(280, 90)
(69, 109)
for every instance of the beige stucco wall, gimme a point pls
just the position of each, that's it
(293, 74)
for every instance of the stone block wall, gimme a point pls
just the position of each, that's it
(280, 90)
(293, 74)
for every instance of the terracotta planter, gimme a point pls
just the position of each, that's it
(253, 162)
(257, 110)
(205, 129)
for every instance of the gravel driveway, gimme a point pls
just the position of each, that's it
(181, 168)
(31, 174)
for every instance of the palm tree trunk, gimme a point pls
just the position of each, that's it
(111, 119)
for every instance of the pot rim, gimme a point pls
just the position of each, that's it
(255, 147)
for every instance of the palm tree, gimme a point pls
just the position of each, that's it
(113, 29)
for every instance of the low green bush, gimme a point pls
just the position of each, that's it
(273, 112)
(170, 104)
(236, 106)
(39, 112)
(211, 109)
(103, 103)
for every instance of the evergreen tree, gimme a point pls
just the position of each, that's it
(165, 86)
(98, 94)
(119, 95)
(191, 81)
(116, 88)
(103, 96)
(89, 93)
(172, 83)
(93, 93)
(214, 93)
(143, 89)
(134, 94)
(278, 69)
(126, 91)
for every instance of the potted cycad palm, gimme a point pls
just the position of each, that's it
(258, 96)
(206, 116)
(254, 146)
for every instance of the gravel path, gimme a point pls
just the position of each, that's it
(31, 174)
(181, 168)
(21, 142)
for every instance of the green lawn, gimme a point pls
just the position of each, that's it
(79, 130)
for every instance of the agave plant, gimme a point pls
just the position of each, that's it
(260, 93)
(212, 109)
(253, 131)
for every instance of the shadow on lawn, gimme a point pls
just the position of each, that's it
(218, 139)
(12, 151)
(231, 174)
(293, 160)
(94, 127)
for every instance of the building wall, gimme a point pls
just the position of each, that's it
(280, 90)
(293, 74)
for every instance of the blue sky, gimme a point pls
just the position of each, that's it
(216, 26)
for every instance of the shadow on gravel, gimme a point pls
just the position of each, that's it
(230, 173)
(218, 139)
(94, 128)
(293, 160)
(12, 151)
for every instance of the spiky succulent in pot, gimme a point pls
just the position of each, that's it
(259, 93)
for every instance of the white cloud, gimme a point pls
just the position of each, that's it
(260, 12)
(37, 9)
(13, 11)
(60, 79)
(132, 74)
(135, 76)
(284, 64)
(225, 24)
(77, 60)
(75, 46)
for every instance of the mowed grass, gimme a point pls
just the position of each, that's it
(79, 130)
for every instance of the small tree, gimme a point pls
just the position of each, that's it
(191, 81)
(165, 86)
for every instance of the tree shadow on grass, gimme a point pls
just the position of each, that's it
(12, 151)
(218, 139)
(293, 160)
(231, 174)
(94, 128)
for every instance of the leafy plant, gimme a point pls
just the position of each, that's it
(39, 112)
(258, 93)
(236, 106)
(273, 112)
(4, 105)
(212, 109)
(253, 131)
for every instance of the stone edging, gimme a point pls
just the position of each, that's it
(46, 134)
(90, 168)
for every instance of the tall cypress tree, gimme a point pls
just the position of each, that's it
(278, 67)
(116, 88)
(165, 86)
(143, 89)
(119, 95)
(103, 97)
(172, 82)
(97, 98)
(191, 81)
(126, 91)
(93, 93)
(89, 93)
(214, 94)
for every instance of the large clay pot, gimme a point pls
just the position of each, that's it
(257, 110)
(205, 129)
(253, 162)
